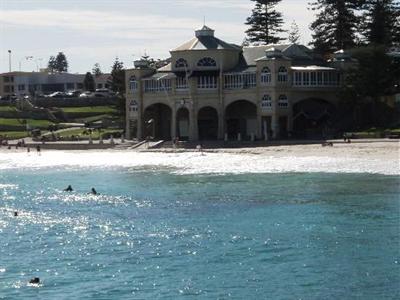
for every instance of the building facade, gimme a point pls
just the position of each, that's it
(215, 90)
(38, 83)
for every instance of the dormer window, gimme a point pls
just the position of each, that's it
(206, 62)
(282, 74)
(181, 63)
(265, 75)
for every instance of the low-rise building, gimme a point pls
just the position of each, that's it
(37, 83)
(212, 89)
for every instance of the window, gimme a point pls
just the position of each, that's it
(249, 80)
(99, 85)
(70, 86)
(206, 62)
(297, 78)
(207, 82)
(21, 87)
(265, 75)
(181, 63)
(133, 83)
(133, 106)
(240, 80)
(282, 74)
(154, 85)
(266, 102)
(6, 79)
(181, 83)
(313, 76)
(283, 101)
(306, 78)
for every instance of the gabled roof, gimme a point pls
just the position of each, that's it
(293, 51)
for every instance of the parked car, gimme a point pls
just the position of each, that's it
(86, 94)
(104, 93)
(57, 95)
(73, 93)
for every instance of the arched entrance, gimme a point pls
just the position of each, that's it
(207, 122)
(182, 124)
(157, 121)
(241, 117)
(313, 119)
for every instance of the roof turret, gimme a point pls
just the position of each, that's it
(205, 31)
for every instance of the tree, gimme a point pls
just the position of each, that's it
(96, 71)
(118, 76)
(376, 75)
(88, 82)
(52, 65)
(335, 24)
(61, 62)
(294, 33)
(118, 84)
(381, 22)
(265, 22)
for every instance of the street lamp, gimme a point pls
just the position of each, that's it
(9, 60)
(26, 58)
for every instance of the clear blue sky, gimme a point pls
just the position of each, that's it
(90, 31)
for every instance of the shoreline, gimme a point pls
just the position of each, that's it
(381, 157)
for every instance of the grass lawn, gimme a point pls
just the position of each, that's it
(31, 122)
(13, 135)
(7, 108)
(91, 109)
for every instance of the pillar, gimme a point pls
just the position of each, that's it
(193, 128)
(275, 126)
(173, 123)
(221, 122)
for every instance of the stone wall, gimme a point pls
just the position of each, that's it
(73, 102)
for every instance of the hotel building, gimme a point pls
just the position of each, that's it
(212, 89)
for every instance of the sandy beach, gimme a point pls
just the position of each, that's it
(374, 149)
(361, 156)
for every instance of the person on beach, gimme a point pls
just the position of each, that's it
(93, 191)
(38, 149)
(68, 189)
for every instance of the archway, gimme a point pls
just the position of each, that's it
(182, 124)
(207, 122)
(157, 121)
(241, 117)
(313, 118)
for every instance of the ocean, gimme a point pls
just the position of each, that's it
(192, 226)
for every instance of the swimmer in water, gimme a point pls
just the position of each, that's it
(94, 192)
(34, 280)
(68, 189)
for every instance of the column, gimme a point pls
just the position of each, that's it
(193, 128)
(173, 122)
(221, 123)
(275, 126)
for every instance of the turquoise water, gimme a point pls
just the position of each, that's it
(152, 234)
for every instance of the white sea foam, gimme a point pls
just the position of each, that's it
(207, 163)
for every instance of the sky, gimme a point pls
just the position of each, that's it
(98, 31)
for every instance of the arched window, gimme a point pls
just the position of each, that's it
(206, 62)
(181, 63)
(133, 85)
(265, 75)
(282, 74)
(266, 102)
(283, 101)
